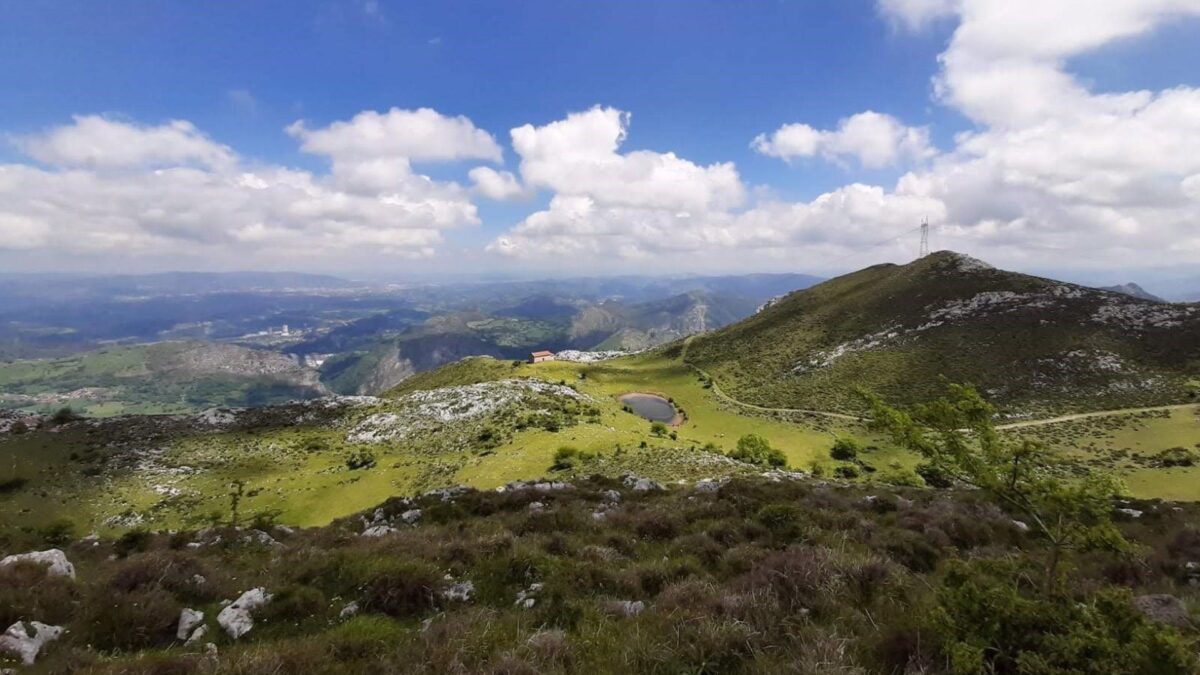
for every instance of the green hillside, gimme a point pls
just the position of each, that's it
(165, 377)
(1032, 345)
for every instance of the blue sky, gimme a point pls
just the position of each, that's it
(700, 79)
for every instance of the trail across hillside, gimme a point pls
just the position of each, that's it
(716, 388)
(1097, 413)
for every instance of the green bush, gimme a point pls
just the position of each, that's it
(754, 449)
(846, 472)
(362, 459)
(844, 449)
(991, 618)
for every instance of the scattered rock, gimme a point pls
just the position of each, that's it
(527, 598)
(710, 485)
(411, 516)
(1020, 525)
(1132, 513)
(378, 531)
(536, 507)
(625, 608)
(55, 560)
(640, 484)
(259, 537)
(1163, 608)
(349, 611)
(461, 591)
(197, 635)
(611, 496)
(25, 639)
(236, 618)
(188, 620)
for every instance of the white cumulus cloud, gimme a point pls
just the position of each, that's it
(422, 135)
(127, 190)
(876, 140)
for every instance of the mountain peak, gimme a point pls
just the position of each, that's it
(954, 261)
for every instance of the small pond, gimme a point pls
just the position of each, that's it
(653, 408)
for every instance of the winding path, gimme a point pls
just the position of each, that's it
(855, 418)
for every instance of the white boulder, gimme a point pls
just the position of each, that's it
(236, 618)
(25, 639)
(55, 560)
(188, 620)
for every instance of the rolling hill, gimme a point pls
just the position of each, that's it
(536, 322)
(1031, 344)
(165, 377)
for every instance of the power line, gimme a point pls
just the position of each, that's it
(924, 225)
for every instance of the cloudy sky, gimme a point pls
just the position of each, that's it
(376, 138)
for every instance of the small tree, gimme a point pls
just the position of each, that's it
(658, 429)
(755, 449)
(958, 439)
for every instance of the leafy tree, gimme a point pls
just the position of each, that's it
(658, 429)
(958, 439)
(754, 449)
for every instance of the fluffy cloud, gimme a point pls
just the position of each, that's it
(1052, 173)
(874, 139)
(498, 185)
(122, 189)
(579, 156)
(98, 142)
(422, 135)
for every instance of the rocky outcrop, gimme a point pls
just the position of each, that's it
(25, 639)
(236, 619)
(54, 559)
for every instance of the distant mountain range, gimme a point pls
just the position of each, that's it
(1029, 343)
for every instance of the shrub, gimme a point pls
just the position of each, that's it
(294, 604)
(365, 636)
(1178, 456)
(133, 541)
(934, 476)
(64, 415)
(362, 459)
(754, 449)
(27, 592)
(846, 472)
(658, 429)
(991, 618)
(137, 620)
(402, 589)
(781, 519)
(844, 449)
(568, 457)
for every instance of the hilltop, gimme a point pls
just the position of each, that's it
(1031, 344)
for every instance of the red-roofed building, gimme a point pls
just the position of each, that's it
(538, 357)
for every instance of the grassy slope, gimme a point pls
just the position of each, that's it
(284, 475)
(755, 578)
(997, 349)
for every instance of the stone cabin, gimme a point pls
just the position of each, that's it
(538, 357)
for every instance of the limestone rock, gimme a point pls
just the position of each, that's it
(236, 618)
(25, 639)
(55, 560)
(188, 620)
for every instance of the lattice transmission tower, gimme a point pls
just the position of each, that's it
(924, 238)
